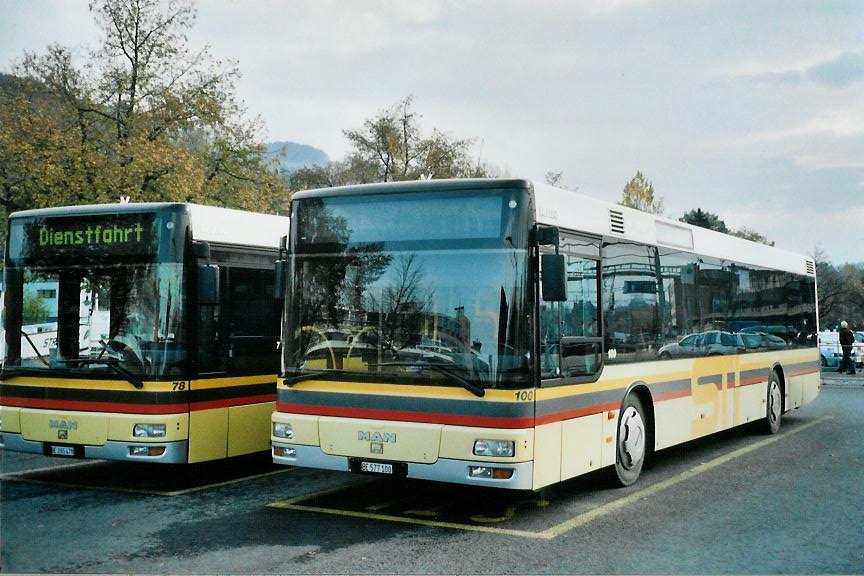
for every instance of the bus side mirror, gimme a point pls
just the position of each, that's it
(280, 283)
(547, 236)
(208, 284)
(554, 277)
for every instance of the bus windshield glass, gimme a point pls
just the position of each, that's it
(75, 306)
(407, 288)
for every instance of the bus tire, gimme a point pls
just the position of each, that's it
(632, 441)
(773, 405)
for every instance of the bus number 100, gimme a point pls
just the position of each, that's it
(525, 395)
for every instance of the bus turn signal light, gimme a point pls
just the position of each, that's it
(490, 472)
(146, 450)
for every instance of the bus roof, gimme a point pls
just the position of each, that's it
(416, 186)
(209, 223)
(554, 206)
(613, 220)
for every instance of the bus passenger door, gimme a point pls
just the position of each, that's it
(571, 354)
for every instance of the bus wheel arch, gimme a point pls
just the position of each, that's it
(634, 438)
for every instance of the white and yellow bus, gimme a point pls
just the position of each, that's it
(510, 334)
(140, 332)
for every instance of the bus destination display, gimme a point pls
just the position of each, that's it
(117, 234)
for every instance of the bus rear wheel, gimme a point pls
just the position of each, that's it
(632, 441)
(774, 405)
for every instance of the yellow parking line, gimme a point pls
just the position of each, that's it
(85, 486)
(21, 477)
(227, 482)
(70, 466)
(558, 529)
(404, 519)
(595, 513)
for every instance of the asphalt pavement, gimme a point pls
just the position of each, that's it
(830, 377)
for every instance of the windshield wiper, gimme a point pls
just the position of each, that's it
(310, 376)
(112, 363)
(478, 391)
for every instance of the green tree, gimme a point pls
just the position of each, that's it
(639, 194)
(707, 220)
(841, 292)
(752, 235)
(713, 222)
(34, 310)
(145, 117)
(390, 147)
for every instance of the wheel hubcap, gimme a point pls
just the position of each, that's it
(774, 402)
(631, 436)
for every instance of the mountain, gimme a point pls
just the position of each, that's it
(290, 156)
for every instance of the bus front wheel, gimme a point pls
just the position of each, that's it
(632, 441)
(774, 404)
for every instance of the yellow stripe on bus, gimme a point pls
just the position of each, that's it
(401, 390)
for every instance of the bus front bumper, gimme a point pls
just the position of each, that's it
(443, 470)
(174, 452)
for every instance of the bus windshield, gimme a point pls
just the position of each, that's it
(92, 319)
(407, 288)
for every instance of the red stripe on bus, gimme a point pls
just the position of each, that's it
(86, 406)
(428, 418)
(122, 408)
(751, 381)
(803, 372)
(673, 395)
(576, 413)
(228, 402)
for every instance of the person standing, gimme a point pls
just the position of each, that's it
(847, 339)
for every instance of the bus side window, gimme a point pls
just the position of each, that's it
(570, 343)
(550, 340)
(580, 343)
(251, 322)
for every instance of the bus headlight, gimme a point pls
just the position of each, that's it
(149, 431)
(498, 448)
(283, 430)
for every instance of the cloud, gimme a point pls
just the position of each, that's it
(844, 70)
(836, 71)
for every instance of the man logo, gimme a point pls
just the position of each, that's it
(376, 437)
(62, 434)
(63, 424)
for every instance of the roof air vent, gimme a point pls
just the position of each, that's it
(616, 221)
(811, 267)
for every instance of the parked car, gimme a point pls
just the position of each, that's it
(830, 352)
(710, 343)
(762, 341)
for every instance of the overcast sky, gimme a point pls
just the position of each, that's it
(753, 110)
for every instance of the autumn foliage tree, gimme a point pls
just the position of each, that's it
(391, 146)
(639, 194)
(145, 116)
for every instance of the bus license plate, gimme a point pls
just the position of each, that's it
(376, 468)
(63, 451)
